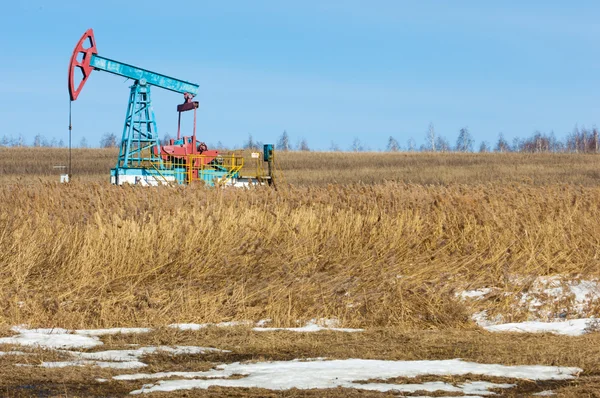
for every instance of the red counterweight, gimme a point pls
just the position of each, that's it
(80, 59)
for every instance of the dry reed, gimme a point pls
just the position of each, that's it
(322, 168)
(391, 254)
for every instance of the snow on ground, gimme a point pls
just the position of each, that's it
(302, 374)
(50, 338)
(60, 339)
(111, 331)
(477, 294)
(63, 338)
(84, 332)
(12, 353)
(88, 338)
(124, 359)
(546, 393)
(100, 364)
(545, 296)
(314, 325)
(481, 319)
(549, 302)
(307, 374)
(198, 326)
(571, 327)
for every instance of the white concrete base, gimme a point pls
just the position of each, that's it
(142, 180)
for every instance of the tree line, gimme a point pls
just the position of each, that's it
(580, 140)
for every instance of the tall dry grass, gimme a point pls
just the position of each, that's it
(322, 168)
(390, 254)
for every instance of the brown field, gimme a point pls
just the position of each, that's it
(377, 240)
(322, 168)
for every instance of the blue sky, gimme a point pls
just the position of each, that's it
(328, 70)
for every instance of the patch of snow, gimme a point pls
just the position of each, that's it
(477, 294)
(128, 355)
(481, 318)
(123, 359)
(12, 353)
(572, 327)
(582, 292)
(56, 338)
(189, 326)
(24, 329)
(546, 393)
(101, 364)
(51, 338)
(482, 387)
(165, 375)
(344, 373)
(313, 326)
(264, 322)
(546, 297)
(198, 326)
(585, 292)
(111, 331)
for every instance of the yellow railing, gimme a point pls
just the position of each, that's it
(198, 170)
(206, 168)
(157, 169)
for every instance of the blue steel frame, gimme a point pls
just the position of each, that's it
(139, 74)
(140, 142)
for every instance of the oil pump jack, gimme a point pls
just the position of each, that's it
(142, 160)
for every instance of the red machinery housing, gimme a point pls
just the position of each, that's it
(179, 150)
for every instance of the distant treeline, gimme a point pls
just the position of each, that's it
(580, 140)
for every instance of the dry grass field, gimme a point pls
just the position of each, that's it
(380, 241)
(322, 168)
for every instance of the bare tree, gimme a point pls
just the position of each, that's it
(411, 144)
(37, 140)
(573, 140)
(19, 141)
(284, 142)
(431, 138)
(538, 142)
(108, 140)
(166, 139)
(442, 144)
(83, 143)
(334, 147)
(484, 147)
(303, 145)
(464, 142)
(357, 146)
(250, 144)
(221, 146)
(555, 144)
(392, 145)
(502, 144)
